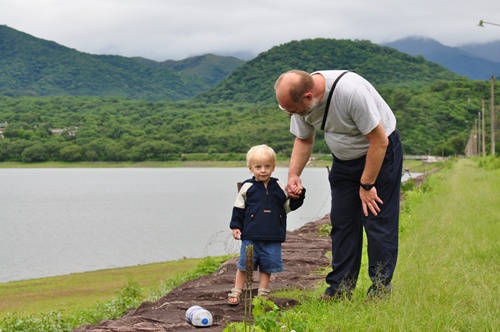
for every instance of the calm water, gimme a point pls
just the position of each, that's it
(61, 221)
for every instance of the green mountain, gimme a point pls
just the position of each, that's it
(31, 66)
(383, 66)
(211, 69)
(208, 70)
(435, 108)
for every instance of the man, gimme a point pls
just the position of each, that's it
(365, 178)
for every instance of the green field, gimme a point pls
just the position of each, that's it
(446, 279)
(70, 292)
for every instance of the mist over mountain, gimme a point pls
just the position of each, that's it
(475, 61)
(489, 51)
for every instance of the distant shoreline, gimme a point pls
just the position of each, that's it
(145, 164)
(411, 165)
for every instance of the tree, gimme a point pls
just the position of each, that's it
(34, 153)
(4, 150)
(115, 152)
(54, 146)
(71, 153)
(16, 147)
(95, 150)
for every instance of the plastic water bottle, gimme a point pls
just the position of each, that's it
(197, 316)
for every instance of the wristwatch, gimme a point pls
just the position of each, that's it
(366, 186)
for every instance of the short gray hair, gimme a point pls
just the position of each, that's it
(298, 87)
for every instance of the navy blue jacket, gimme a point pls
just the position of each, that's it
(260, 212)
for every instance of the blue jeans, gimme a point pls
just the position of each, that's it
(348, 221)
(266, 256)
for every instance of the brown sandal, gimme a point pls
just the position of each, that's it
(234, 297)
(264, 293)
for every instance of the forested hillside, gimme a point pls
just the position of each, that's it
(437, 119)
(31, 66)
(435, 108)
(434, 119)
(96, 129)
(383, 66)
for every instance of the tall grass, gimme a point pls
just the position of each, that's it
(130, 296)
(448, 269)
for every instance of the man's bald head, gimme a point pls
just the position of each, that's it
(293, 85)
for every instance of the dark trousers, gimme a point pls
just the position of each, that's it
(348, 221)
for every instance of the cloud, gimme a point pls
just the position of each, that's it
(162, 29)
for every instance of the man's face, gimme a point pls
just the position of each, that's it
(302, 108)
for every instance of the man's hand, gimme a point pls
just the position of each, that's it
(369, 200)
(302, 149)
(294, 187)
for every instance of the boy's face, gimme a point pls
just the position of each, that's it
(262, 166)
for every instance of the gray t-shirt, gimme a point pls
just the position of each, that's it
(355, 110)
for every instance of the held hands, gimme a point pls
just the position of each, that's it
(294, 187)
(237, 234)
(369, 200)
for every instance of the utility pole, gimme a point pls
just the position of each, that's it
(484, 132)
(492, 101)
(492, 114)
(476, 138)
(479, 141)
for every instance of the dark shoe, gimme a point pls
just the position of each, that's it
(379, 291)
(340, 296)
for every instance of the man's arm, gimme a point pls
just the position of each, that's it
(302, 149)
(374, 159)
(375, 155)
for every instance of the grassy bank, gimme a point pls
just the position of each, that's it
(65, 302)
(449, 263)
(70, 292)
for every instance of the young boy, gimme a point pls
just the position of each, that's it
(259, 219)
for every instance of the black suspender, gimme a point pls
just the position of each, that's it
(330, 98)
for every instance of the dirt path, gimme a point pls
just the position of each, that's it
(303, 254)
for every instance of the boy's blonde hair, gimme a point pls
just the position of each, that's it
(261, 150)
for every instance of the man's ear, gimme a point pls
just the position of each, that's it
(308, 96)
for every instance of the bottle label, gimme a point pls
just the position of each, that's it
(197, 316)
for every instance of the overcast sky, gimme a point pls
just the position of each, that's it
(177, 29)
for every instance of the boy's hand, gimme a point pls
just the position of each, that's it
(236, 234)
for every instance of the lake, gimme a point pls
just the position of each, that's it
(62, 221)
